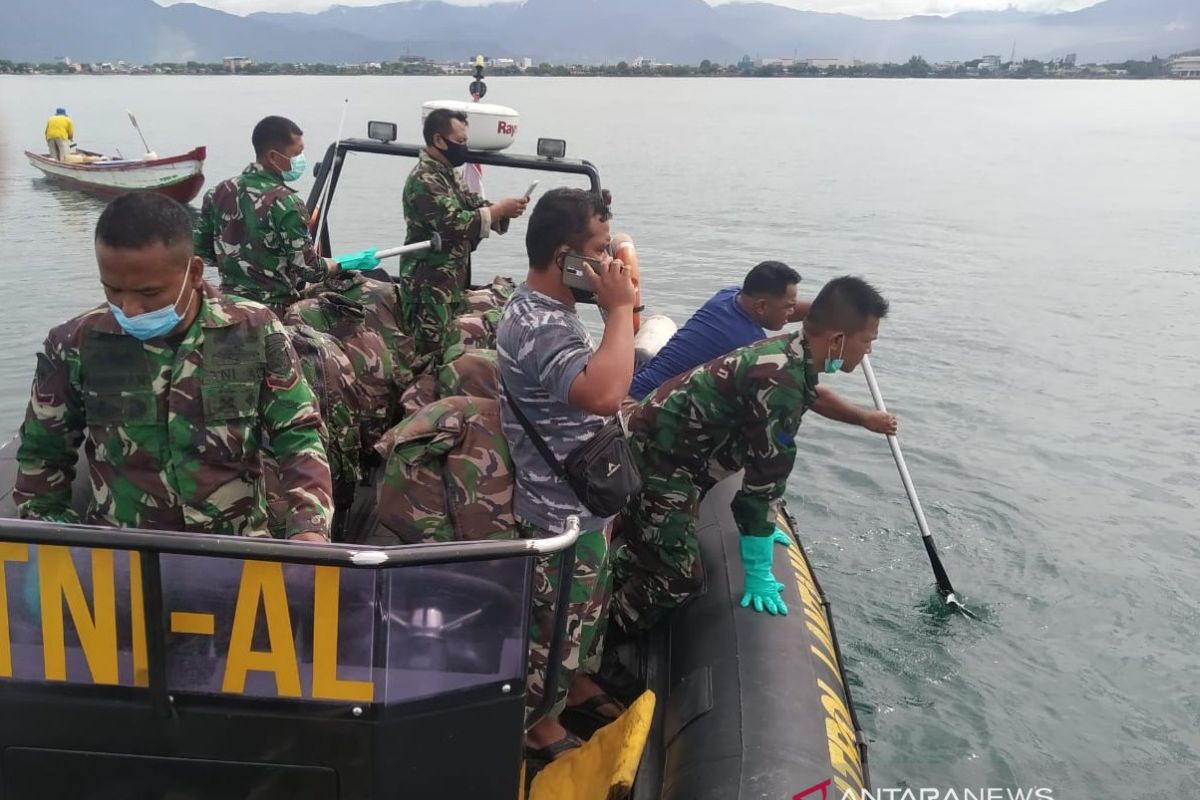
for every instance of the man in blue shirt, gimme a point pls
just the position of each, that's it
(732, 319)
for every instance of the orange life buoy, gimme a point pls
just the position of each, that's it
(624, 250)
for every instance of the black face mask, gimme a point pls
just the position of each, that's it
(455, 153)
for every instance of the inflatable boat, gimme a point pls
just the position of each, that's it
(151, 664)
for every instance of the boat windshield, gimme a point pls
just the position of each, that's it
(258, 628)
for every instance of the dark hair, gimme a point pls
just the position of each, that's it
(770, 278)
(137, 220)
(441, 120)
(561, 216)
(845, 304)
(273, 133)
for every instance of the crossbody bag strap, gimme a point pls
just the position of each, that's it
(538, 441)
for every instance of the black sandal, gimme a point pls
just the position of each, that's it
(553, 750)
(590, 708)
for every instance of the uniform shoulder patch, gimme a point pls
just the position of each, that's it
(281, 369)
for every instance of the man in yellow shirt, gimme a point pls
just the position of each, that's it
(60, 132)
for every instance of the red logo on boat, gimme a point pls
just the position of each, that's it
(822, 787)
(506, 129)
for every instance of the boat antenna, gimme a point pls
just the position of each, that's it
(473, 173)
(138, 128)
(329, 176)
(939, 571)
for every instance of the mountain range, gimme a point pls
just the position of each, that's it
(581, 31)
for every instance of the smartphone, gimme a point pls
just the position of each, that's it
(574, 274)
(529, 191)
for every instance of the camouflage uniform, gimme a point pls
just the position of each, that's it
(466, 371)
(477, 329)
(740, 411)
(370, 358)
(493, 295)
(381, 302)
(254, 228)
(448, 476)
(339, 401)
(432, 283)
(587, 615)
(173, 428)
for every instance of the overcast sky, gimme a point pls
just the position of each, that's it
(864, 8)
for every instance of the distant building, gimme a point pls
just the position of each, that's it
(234, 63)
(831, 63)
(641, 62)
(1185, 67)
(989, 62)
(526, 63)
(64, 60)
(776, 62)
(1068, 60)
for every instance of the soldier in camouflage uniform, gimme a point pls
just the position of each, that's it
(740, 411)
(381, 302)
(340, 403)
(465, 371)
(448, 476)
(437, 201)
(493, 295)
(254, 228)
(172, 389)
(477, 329)
(345, 321)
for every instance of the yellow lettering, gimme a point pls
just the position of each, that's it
(262, 579)
(187, 622)
(821, 655)
(137, 621)
(9, 551)
(325, 683)
(843, 750)
(98, 633)
(817, 624)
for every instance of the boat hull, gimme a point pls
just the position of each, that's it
(749, 705)
(178, 177)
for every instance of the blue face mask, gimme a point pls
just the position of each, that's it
(832, 364)
(299, 165)
(155, 323)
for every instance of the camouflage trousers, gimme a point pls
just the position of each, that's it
(429, 298)
(658, 565)
(587, 617)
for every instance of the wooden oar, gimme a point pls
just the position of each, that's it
(138, 128)
(939, 571)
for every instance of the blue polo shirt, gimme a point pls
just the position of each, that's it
(719, 327)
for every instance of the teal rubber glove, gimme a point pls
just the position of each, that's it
(761, 588)
(779, 537)
(363, 259)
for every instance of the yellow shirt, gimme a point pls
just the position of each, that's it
(60, 127)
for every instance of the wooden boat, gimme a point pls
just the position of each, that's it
(178, 177)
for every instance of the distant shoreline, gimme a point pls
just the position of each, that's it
(344, 74)
(989, 69)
